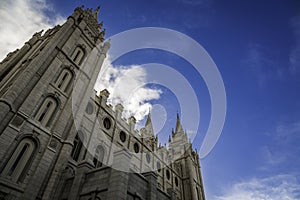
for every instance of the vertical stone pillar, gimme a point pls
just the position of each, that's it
(119, 179)
(152, 185)
(132, 122)
(119, 109)
(83, 167)
(191, 174)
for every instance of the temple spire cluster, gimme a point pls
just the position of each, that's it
(60, 140)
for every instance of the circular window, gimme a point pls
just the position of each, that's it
(176, 181)
(148, 158)
(122, 136)
(168, 174)
(89, 109)
(106, 123)
(158, 166)
(136, 147)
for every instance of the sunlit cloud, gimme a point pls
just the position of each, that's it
(127, 85)
(20, 19)
(283, 145)
(279, 187)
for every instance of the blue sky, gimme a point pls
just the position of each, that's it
(256, 47)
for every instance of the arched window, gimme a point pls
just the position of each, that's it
(78, 55)
(46, 112)
(20, 159)
(99, 156)
(64, 80)
(77, 146)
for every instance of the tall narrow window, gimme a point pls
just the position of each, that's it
(78, 55)
(99, 156)
(77, 146)
(19, 161)
(64, 80)
(47, 110)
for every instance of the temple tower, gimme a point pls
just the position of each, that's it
(36, 85)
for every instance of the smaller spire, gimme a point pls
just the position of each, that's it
(149, 126)
(169, 138)
(148, 122)
(178, 125)
(102, 34)
(39, 34)
(95, 13)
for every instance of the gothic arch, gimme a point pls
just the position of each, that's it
(78, 54)
(47, 110)
(21, 156)
(99, 156)
(65, 78)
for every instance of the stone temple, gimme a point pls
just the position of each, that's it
(59, 140)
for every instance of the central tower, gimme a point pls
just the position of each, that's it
(36, 84)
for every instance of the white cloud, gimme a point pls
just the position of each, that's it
(283, 148)
(295, 51)
(282, 153)
(127, 85)
(279, 187)
(20, 19)
(260, 61)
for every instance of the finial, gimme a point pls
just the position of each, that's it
(148, 122)
(96, 11)
(177, 117)
(102, 33)
(178, 125)
(99, 26)
(39, 33)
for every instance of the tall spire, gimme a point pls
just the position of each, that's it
(178, 125)
(149, 126)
